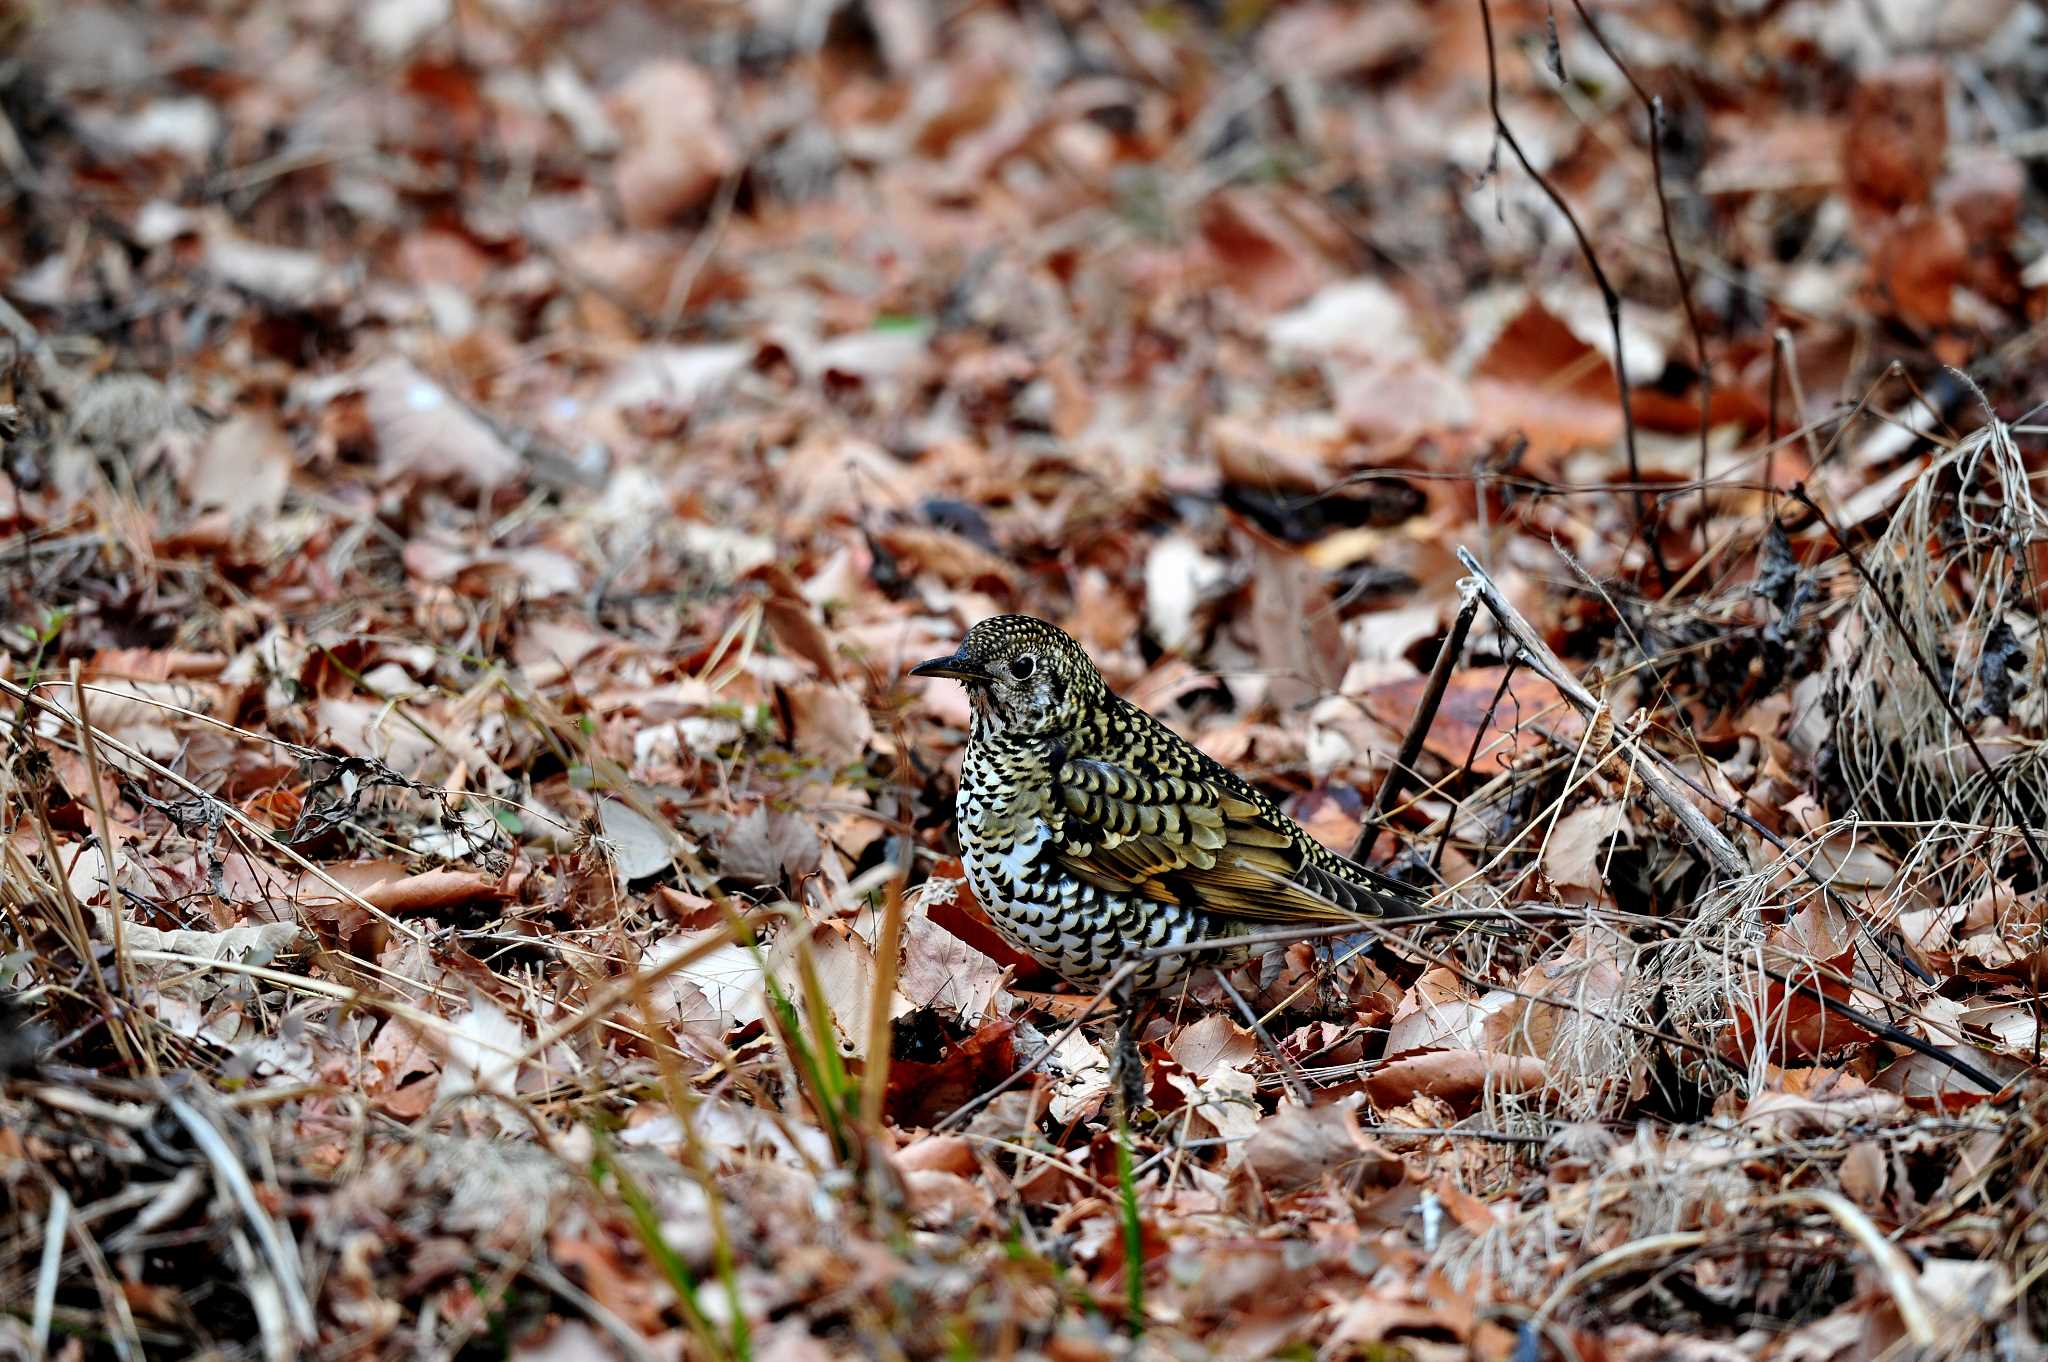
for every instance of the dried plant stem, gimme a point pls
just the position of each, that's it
(1927, 673)
(1615, 1260)
(888, 951)
(1418, 731)
(110, 858)
(1894, 1269)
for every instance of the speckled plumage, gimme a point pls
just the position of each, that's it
(1092, 832)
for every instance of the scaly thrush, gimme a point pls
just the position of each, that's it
(1091, 832)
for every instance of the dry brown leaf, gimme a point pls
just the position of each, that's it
(1299, 637)
(831, 721)
(422, 431)
(243, 467)
(1297, 1147)
(767, 844)
(940, 970)
(793, 621)
(434, 891)
(1211, 1043)
(676, 150)
(1576, 852)
(1458, 1077)
(1896, 133)
(1531, 704)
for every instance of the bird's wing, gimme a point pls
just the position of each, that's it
(1207, 841)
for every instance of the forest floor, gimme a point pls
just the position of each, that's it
(477, 880)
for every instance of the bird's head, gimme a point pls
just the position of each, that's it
(1022, 675)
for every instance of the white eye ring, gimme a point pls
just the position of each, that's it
(1021, 667)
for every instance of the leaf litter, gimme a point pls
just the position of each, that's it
(478, 881)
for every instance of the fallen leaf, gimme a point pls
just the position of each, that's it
(1297, 1147)
(920, 1093)
(244, 467)
(637, 847)
(1531, 708)
(1457, 1077)
(423, 432)
(1896, 132)
(1575, 853)
(675, 149)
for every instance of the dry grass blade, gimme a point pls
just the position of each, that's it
(56, 1226)
(280, 1257)
(1894, 1269)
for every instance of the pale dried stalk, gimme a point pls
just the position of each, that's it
(1650, 765)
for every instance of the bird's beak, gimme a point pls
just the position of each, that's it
(959, 667)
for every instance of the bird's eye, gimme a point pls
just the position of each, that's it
(1021, 667)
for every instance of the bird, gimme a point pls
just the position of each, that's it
(1092, 834)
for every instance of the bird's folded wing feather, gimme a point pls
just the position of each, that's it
(1195, 840)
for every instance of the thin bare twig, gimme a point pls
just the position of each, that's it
(1418, 731)
(1653, 105)
(1608, 296)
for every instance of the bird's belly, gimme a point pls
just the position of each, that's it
(1081, 931)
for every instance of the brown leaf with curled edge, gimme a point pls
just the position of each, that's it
(1896, 133)
(921, 1093)
(1930, 1085)
(1457, 1077)
(676, 151)
(434, 891)
(792, 620)
(1297, 1147)
(1540, 381)
(344, 924)
(1530, 703)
